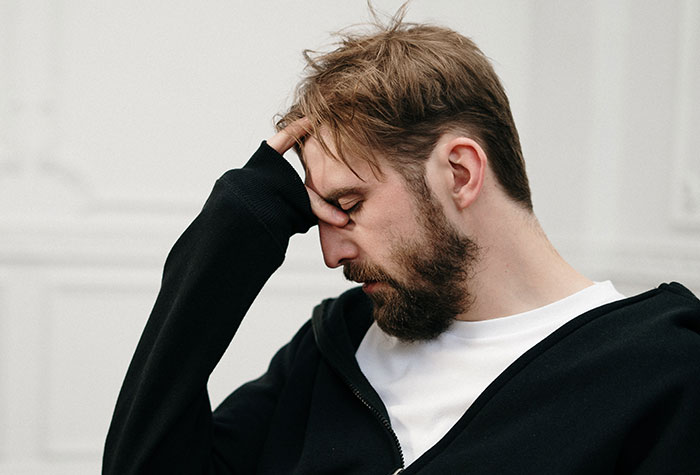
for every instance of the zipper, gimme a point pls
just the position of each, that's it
(358, 394)
(380, 417)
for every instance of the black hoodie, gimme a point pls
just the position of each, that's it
(615, 390)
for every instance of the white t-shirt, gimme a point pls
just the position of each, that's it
(427, 386)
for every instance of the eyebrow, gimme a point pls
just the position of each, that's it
(338, 193)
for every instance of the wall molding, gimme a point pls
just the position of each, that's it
(144, 243)
(637, 263)
(685, 201)
(61, 289)
(5, 357)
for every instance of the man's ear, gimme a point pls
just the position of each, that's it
(467, 162)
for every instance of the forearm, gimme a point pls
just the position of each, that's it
(211, 277)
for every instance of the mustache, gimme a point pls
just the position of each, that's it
(364, 272)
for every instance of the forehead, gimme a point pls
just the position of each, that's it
(326, 174)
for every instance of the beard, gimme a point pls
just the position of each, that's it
(422, 303)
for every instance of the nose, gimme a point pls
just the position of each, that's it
(336, 244)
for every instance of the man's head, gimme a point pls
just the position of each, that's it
(384, 108)
(398, 242)
(395, 91)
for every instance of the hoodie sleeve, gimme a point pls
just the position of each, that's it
(162, 422)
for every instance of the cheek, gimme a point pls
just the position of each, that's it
(388, 221)
(388, 235)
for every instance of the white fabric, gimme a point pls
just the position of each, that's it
(427, 386)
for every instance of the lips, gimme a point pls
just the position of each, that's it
(371, 277)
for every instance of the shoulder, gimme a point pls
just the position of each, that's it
(653, 333)
(668, 325)
(670, 309)
(667, 308)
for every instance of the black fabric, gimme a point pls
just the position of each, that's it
(616, 390)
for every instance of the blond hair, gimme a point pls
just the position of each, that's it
(393, 91)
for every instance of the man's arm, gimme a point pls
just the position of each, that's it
(162, 421)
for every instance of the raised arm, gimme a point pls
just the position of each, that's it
(162, 422)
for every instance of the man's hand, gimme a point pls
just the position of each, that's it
(283, 141)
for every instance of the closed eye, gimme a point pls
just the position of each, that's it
(352, 209)
(349, 199)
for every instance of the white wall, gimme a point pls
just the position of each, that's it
(116, 118)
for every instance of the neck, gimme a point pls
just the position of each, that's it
(518, 269)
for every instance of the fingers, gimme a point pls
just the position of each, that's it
(326, 211)
(283, 141)
(287, 137)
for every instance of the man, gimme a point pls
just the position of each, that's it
(472, 346)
